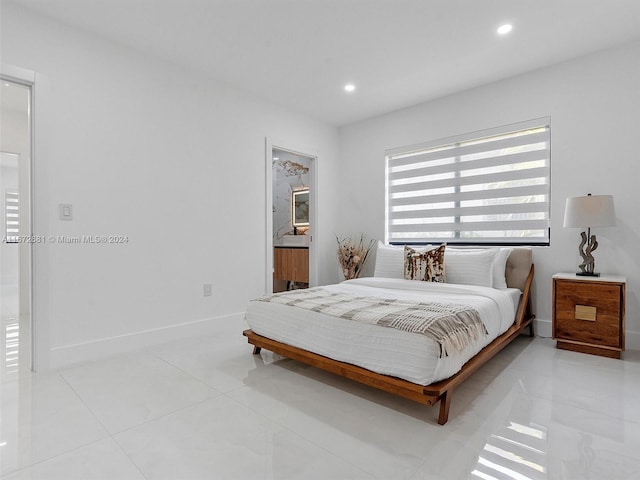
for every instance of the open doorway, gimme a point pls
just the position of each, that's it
(291, 219)
(15, 219)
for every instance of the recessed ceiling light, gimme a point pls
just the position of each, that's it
(504, 29)
(276, 158)
(349, 87)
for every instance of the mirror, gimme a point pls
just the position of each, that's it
(300, 207)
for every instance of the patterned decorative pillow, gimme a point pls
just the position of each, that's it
(390, 260)
(425, 266)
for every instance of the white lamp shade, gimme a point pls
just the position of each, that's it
(590, 211)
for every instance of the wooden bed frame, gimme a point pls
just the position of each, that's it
(430, 394)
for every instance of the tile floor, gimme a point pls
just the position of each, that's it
(206, 408)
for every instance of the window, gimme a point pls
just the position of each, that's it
(12, 222)
(490, 187)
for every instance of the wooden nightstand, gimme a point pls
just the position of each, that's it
(588, 313)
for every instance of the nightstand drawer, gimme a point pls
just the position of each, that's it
(588, 312)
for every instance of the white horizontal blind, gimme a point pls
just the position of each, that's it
(12, 217)
(489, 187)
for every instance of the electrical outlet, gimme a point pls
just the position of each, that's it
(207, 289)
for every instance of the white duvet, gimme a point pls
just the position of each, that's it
(385, 350)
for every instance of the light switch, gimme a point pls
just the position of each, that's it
(66, 211)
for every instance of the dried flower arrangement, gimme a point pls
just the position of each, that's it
(352, 255)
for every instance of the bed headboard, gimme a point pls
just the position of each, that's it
(518, 267)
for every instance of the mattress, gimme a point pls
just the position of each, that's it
(412, 357)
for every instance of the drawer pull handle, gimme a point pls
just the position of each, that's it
(583, 312)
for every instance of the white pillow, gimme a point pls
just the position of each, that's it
(500, 268)
(499, 263)
(470, 267)
(390, 260)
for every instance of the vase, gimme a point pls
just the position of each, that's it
(351, 272)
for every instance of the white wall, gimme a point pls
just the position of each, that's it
(166, 157)
(594, 104)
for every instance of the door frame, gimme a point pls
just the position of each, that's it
(312, 155)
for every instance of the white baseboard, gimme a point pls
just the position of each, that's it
(543, 329)
(68, 355)
(632, 340)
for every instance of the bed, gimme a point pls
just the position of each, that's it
(308, 326)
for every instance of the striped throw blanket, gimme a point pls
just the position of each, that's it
(452, 326)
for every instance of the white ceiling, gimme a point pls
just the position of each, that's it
(300, 53)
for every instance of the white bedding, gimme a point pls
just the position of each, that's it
(385, 350)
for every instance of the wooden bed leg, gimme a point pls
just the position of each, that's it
(445, 403)
(256, 350)
(532, 316)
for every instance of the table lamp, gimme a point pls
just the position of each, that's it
(586, 212)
